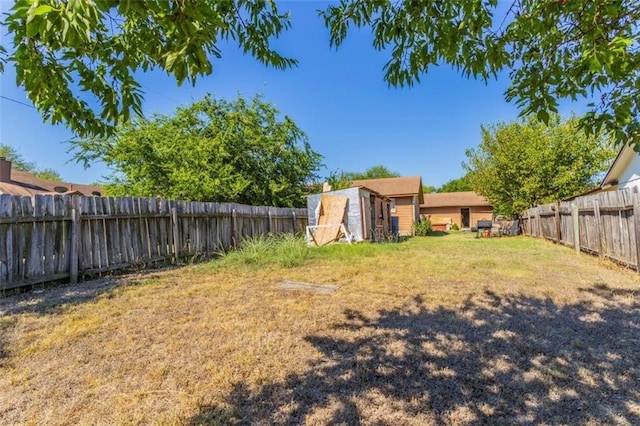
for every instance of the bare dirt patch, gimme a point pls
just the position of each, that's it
(448, 330)
(314, 288)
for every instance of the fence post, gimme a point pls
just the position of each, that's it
(529, 222)
(234, 232)
(293, 214)
(558, 227)
(636, 223)
(576, 227)
(269, 224)
(75, 237)
(176, 235)
(598, 226)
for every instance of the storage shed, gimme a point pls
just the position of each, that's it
(364, 213)
(405, 195)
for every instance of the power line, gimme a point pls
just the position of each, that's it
(18, 102)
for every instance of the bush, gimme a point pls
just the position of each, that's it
(422, 228)
(455, 227)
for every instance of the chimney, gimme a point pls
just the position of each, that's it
(5, 170)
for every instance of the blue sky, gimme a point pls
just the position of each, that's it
(338, 97)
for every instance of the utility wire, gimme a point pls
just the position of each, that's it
(18, 102)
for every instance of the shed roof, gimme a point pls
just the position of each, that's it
(393, 187)
(454, 199)
(25, 183)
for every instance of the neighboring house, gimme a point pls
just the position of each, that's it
(624, 173)
(462, 208)
(405, 195)
(366, 216)
(17, 182)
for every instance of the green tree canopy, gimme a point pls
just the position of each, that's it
(341, 179)
(375, 172)
(212, 150)
(19, 163)
(525, 163)
(457, 185)
(552, 50)
(90, 51)
(428, 189)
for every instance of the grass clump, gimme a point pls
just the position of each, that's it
(285, 250)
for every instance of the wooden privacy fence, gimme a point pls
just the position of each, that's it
(606, 224)
(54, 237)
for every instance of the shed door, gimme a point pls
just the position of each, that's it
(395, 225)
(465, 217)
(366, 217)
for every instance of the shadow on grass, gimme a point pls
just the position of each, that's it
(495, 360)
(438, 234)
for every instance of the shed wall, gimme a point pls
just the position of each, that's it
(407, 213)
(354, 215)
(454, 213)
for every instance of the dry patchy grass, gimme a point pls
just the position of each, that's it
(435, 330)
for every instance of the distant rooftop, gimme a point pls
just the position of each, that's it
(398, 186)
(18, 182)
(452, 199)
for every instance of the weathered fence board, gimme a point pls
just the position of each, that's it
(53, 237)
(607, 225)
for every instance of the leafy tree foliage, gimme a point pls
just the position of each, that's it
(16, 159)
(374, 172)
(338, 179)
(525, 163)
(552, 49)
(97, 47)
(341, 179)
(47, 174)
(457, 185)
(428, 189)
(212, 150)
(19, 163)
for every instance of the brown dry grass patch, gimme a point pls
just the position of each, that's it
(436, 330)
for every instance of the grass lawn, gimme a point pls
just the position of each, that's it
(434, 330)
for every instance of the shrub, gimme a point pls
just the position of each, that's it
(455, 227)
(422, 227)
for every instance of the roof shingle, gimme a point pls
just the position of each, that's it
(24, 183)
(454, 199)
(399, 186)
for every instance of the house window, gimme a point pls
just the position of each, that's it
(393, 206)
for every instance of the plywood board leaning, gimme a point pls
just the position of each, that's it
(332, 211)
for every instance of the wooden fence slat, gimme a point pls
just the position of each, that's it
(176, 236)
(598, 229)
(49, 243)
(6, 242)
(75, 239)
(576, 227)
(60, 238)
(636, 228)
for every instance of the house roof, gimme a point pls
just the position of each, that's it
(393, 187)
(376, 193)
(618, 167)
(454, 199)
(24, 183)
